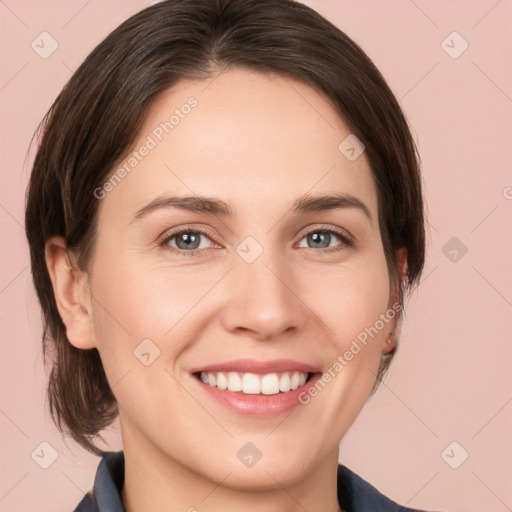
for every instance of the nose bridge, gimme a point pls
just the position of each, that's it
(263, 299)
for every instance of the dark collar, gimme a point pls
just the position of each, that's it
(354, 493)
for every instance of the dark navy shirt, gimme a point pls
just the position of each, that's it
(354, 493)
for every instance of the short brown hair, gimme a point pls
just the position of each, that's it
(97, 116)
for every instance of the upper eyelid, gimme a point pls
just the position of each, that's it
(168, 235)
(341, 232)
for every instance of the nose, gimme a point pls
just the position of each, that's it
(264, 298)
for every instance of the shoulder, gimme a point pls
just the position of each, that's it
(108, 483)
(357, 495)
(88, 503)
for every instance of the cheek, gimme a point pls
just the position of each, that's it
(350, 302)
(133, 305)
(352, 299)
(141, 296)
(139, 299)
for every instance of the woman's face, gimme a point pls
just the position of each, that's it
(264, 283)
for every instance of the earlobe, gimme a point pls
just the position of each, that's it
(389, 343)
(401, 256)
(71, 293)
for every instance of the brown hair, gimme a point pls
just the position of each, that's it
(97, 116)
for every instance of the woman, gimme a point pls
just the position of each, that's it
(224, 215)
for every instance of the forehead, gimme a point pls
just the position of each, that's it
(246, 137)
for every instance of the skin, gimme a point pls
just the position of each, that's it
(270, 140)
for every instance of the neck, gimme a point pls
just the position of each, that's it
(155, 481)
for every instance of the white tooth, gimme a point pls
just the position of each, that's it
(284, 383)
(270, 384)
(251, 384)
(234, 382)
(222, 382)
(294, 381)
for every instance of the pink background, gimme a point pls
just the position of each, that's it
(451, 378)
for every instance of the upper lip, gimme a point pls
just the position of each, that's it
(255, 366)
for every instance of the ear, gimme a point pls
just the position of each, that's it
(71, 290)
(389, 342)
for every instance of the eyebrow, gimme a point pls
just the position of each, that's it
(215, 206)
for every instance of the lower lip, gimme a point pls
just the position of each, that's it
(259, 406)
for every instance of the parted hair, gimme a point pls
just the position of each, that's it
(97, 116)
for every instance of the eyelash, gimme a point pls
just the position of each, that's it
(166, 238)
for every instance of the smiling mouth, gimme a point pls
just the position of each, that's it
(255, 384)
